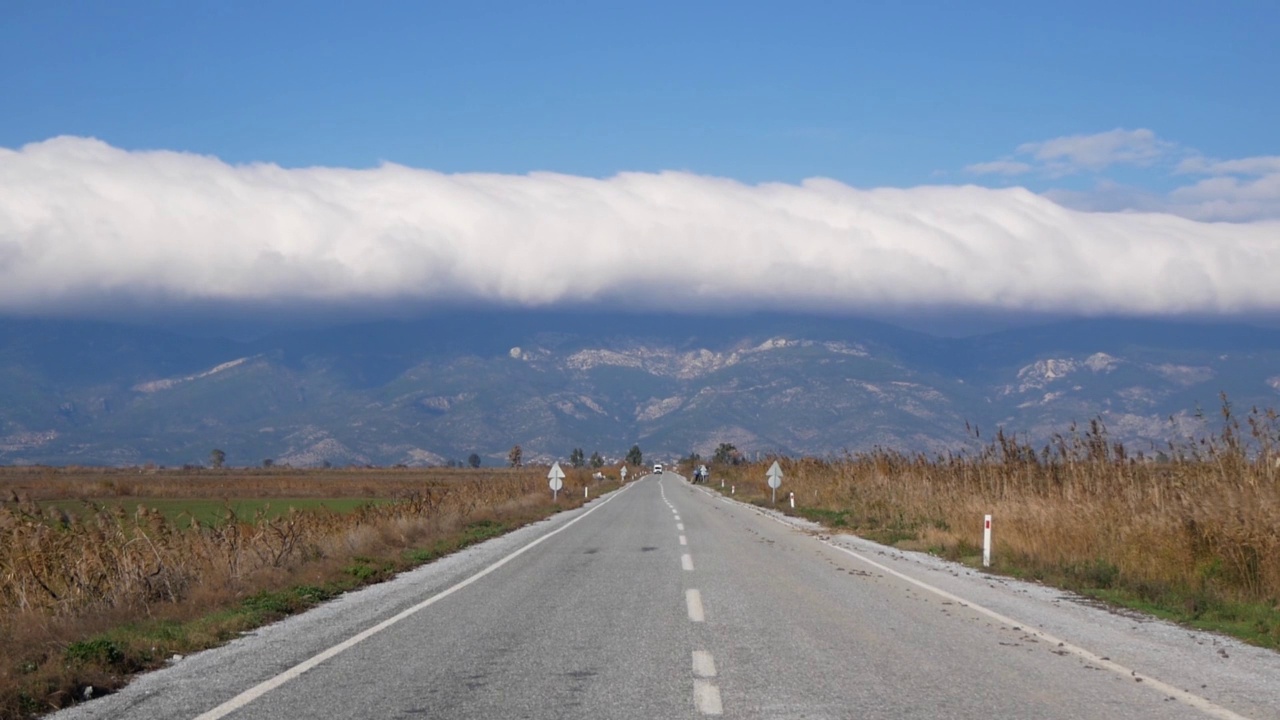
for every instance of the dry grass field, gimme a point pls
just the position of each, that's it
(98, 581)
(1191, 533)
(104, 572)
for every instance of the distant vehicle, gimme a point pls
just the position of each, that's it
(657, 469)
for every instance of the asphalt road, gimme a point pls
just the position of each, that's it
(664, 600)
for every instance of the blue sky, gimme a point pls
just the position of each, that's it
(869, 93)
(1153, 124)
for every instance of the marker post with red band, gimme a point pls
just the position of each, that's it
(986, 541)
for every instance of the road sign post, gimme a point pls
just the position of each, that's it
(555, 478)
(624, 473)
(775, 481)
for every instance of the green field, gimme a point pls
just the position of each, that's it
(212, 511)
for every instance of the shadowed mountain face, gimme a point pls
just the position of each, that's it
(432, 390)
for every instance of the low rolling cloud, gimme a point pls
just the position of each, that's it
(82, 221)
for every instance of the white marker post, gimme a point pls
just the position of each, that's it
(555, 477)
(793, 500)
(585, 492)
(986, 541)
(775, 481)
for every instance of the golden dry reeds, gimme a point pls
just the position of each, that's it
(58, 563)
(1197, 520)
(113, 561)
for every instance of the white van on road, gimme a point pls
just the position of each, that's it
(657, 469)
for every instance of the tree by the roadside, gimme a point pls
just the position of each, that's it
(577, 458)
(727, 454)
(634, 456)
(217, 458)
(515, 457)
(596, 460)
(473, 460)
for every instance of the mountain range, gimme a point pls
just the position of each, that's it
(435, 389)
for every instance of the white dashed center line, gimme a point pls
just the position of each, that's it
(693, 599)
(706, 697)
(704, 666)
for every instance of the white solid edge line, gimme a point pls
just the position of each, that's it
(267, 686)
(704, 666)
(693, 599)
(1183, 696)
(706, 697)
(686, 561)
(1199, 703)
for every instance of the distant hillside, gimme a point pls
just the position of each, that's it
(438, 389)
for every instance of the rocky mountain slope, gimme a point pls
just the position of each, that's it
(439, 389)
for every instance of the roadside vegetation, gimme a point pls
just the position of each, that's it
(107, 572)
(1188, 532)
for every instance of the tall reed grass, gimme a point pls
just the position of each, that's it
(58, 563)
(66, 578)
(1195, 524)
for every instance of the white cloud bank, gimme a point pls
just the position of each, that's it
(81, 221)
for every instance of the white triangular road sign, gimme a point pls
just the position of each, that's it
(775, 475)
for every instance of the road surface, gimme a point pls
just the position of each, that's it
(665, 600)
